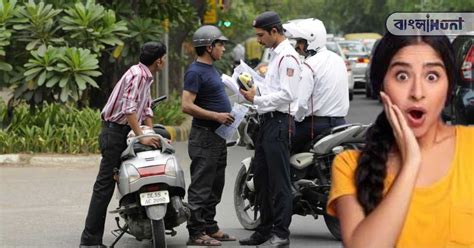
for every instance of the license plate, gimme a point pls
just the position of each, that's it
(155, 197)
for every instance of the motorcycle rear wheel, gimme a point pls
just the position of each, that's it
(158, 233)
(245, 209)
(333, 226)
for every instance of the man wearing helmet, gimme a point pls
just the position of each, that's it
(276, 105)
(205, 99)
(323, 90)
(127, 108)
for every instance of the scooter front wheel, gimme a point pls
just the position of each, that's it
(158, 232)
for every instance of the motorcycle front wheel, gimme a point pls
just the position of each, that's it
(244, 202)
(158, 233)
(333, 226)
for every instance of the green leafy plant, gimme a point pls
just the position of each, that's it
(37, 25)
(141, 30)
(58, 74)
(92, 26)
(7, 12)
(62, 128)
(53, 128)
(77, 67)
(169, 112)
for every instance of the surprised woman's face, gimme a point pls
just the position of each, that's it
(416, 81)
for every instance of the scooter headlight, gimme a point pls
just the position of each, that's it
(133, 174)
(170, 169)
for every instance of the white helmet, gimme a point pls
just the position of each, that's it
(145, 130)
(312, 30)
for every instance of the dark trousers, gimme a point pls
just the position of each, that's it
(112, 142)
(302, 135)
(208, 153)
(272, 176)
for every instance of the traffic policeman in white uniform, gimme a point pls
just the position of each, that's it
(323, 93)
(276, 105)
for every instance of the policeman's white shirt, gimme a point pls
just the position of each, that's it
(323, 89)
(279, 89)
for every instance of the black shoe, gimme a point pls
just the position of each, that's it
(92, 246)
(276, 241)
(254, 239)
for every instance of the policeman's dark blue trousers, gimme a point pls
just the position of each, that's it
(208, 153)
(272, 176)
(112, 142)
(302, 136)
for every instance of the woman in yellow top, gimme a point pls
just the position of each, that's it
(413, 183)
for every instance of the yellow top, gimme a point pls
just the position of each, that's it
(440, 215)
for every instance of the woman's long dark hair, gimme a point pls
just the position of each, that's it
(372, 169)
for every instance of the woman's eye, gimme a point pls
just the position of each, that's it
(432, 77)
(402, 76)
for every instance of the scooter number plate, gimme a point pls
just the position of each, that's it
(155, 197)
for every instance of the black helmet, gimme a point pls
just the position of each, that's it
(206, 35)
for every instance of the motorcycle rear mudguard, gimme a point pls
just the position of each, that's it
(246, 162)
(156, 212)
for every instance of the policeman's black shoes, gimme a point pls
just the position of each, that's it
(255, 239)
(276, 241)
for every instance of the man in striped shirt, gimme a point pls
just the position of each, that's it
(127, 108)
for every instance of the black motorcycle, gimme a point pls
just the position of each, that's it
(310, 173)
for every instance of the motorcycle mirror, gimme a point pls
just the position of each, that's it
(155, 102)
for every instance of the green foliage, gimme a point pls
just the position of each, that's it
(38, 25)
(58, 74)
(59, 128)
(169, 112)
(141, 30)
(53, 129)
(7, 11)
(92, 26)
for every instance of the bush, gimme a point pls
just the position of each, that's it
(56, 128)
(169, 112)
(52, 129)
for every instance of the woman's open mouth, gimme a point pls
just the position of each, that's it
(416, 116)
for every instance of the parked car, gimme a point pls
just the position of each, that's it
(368, 86)
(362, 36)
(356, 52)
(461, 108)
(333, 46)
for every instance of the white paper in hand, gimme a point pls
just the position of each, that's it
(227, 132)
(257, 79)
(230, 83)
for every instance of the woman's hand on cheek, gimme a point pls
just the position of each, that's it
(406, 141)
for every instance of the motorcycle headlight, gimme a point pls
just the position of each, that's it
(170, 168)
(133, 174)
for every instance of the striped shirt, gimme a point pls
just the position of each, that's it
(130, 95)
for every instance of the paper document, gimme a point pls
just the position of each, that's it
(228, 132)
(231, 82)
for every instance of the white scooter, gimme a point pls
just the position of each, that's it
(151, 189)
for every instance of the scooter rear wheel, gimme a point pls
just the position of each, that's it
(158, 232)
